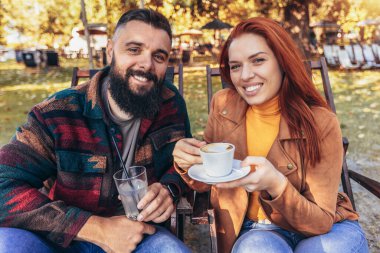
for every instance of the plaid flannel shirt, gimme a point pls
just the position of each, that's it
(67, 137)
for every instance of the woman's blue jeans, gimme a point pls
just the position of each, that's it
(13, 240)
(346, 236)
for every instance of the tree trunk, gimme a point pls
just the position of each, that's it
(296, 19)
(109, 18)
(87, 34)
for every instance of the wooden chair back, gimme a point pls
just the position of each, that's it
(321, 65)
(369, 184)
(211, 72)
(171, 72)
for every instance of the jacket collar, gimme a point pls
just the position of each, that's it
(235, 109)
(93, 107)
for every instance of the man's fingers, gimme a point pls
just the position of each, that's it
(148, 229)
(153, 191)
(161, 201)
(163, 217)
(156, 209)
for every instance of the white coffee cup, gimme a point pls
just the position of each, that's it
(217, 158)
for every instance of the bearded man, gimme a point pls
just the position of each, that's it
(76, 135)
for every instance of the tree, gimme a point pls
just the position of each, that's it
(42, 22)
(56, 24)
(114, 9)
(50, 22)
(21, 16)
(2, 26)
(372, 11)
(296, 15)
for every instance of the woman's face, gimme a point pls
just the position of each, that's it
(254, 69)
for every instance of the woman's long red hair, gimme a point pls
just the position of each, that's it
(297, 94)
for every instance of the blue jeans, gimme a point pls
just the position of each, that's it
(346, 236)
(13, 240)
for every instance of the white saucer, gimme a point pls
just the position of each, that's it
(198, 173)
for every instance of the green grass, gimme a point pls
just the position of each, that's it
(21, 88)
(357, 102)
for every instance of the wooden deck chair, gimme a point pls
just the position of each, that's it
(184, 208)
(169, 75)
(370, 57)
(345, 61)
(369, 184)
(350, 52)
(332, 59)
(376, 50)
(359, 57)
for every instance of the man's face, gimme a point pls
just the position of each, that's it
(139, 56)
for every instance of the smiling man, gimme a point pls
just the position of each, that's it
(75, 136)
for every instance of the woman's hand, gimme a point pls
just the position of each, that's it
(264, 177)
(186, 152)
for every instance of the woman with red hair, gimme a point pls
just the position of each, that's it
(282, 127)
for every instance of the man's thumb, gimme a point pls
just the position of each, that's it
(149, 229)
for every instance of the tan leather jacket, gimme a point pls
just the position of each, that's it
(308, 204)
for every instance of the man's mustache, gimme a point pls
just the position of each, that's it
(148, 75)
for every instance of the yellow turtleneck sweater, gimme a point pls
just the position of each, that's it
(263, 122)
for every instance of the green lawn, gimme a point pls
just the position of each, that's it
(357, 99)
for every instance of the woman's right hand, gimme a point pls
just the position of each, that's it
(186, 152)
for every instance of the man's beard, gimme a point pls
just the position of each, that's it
(140, 103)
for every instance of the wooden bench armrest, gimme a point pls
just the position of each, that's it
(345, 144)
(201, 205)
(184, 207)
(368, 183)
(176, 223)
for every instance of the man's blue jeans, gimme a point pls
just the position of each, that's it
(14, 240)
(346, 236)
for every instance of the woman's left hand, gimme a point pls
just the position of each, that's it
(264, 177)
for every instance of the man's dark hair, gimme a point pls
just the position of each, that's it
(148, 16)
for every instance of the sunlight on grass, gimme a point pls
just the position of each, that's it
(357, 96)
(13, 65)
(34, 88)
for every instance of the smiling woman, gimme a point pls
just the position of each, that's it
(281, 126)
(254, 69)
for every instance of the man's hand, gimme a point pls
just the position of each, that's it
(114, 234)
(186, 152)
(157, 204)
